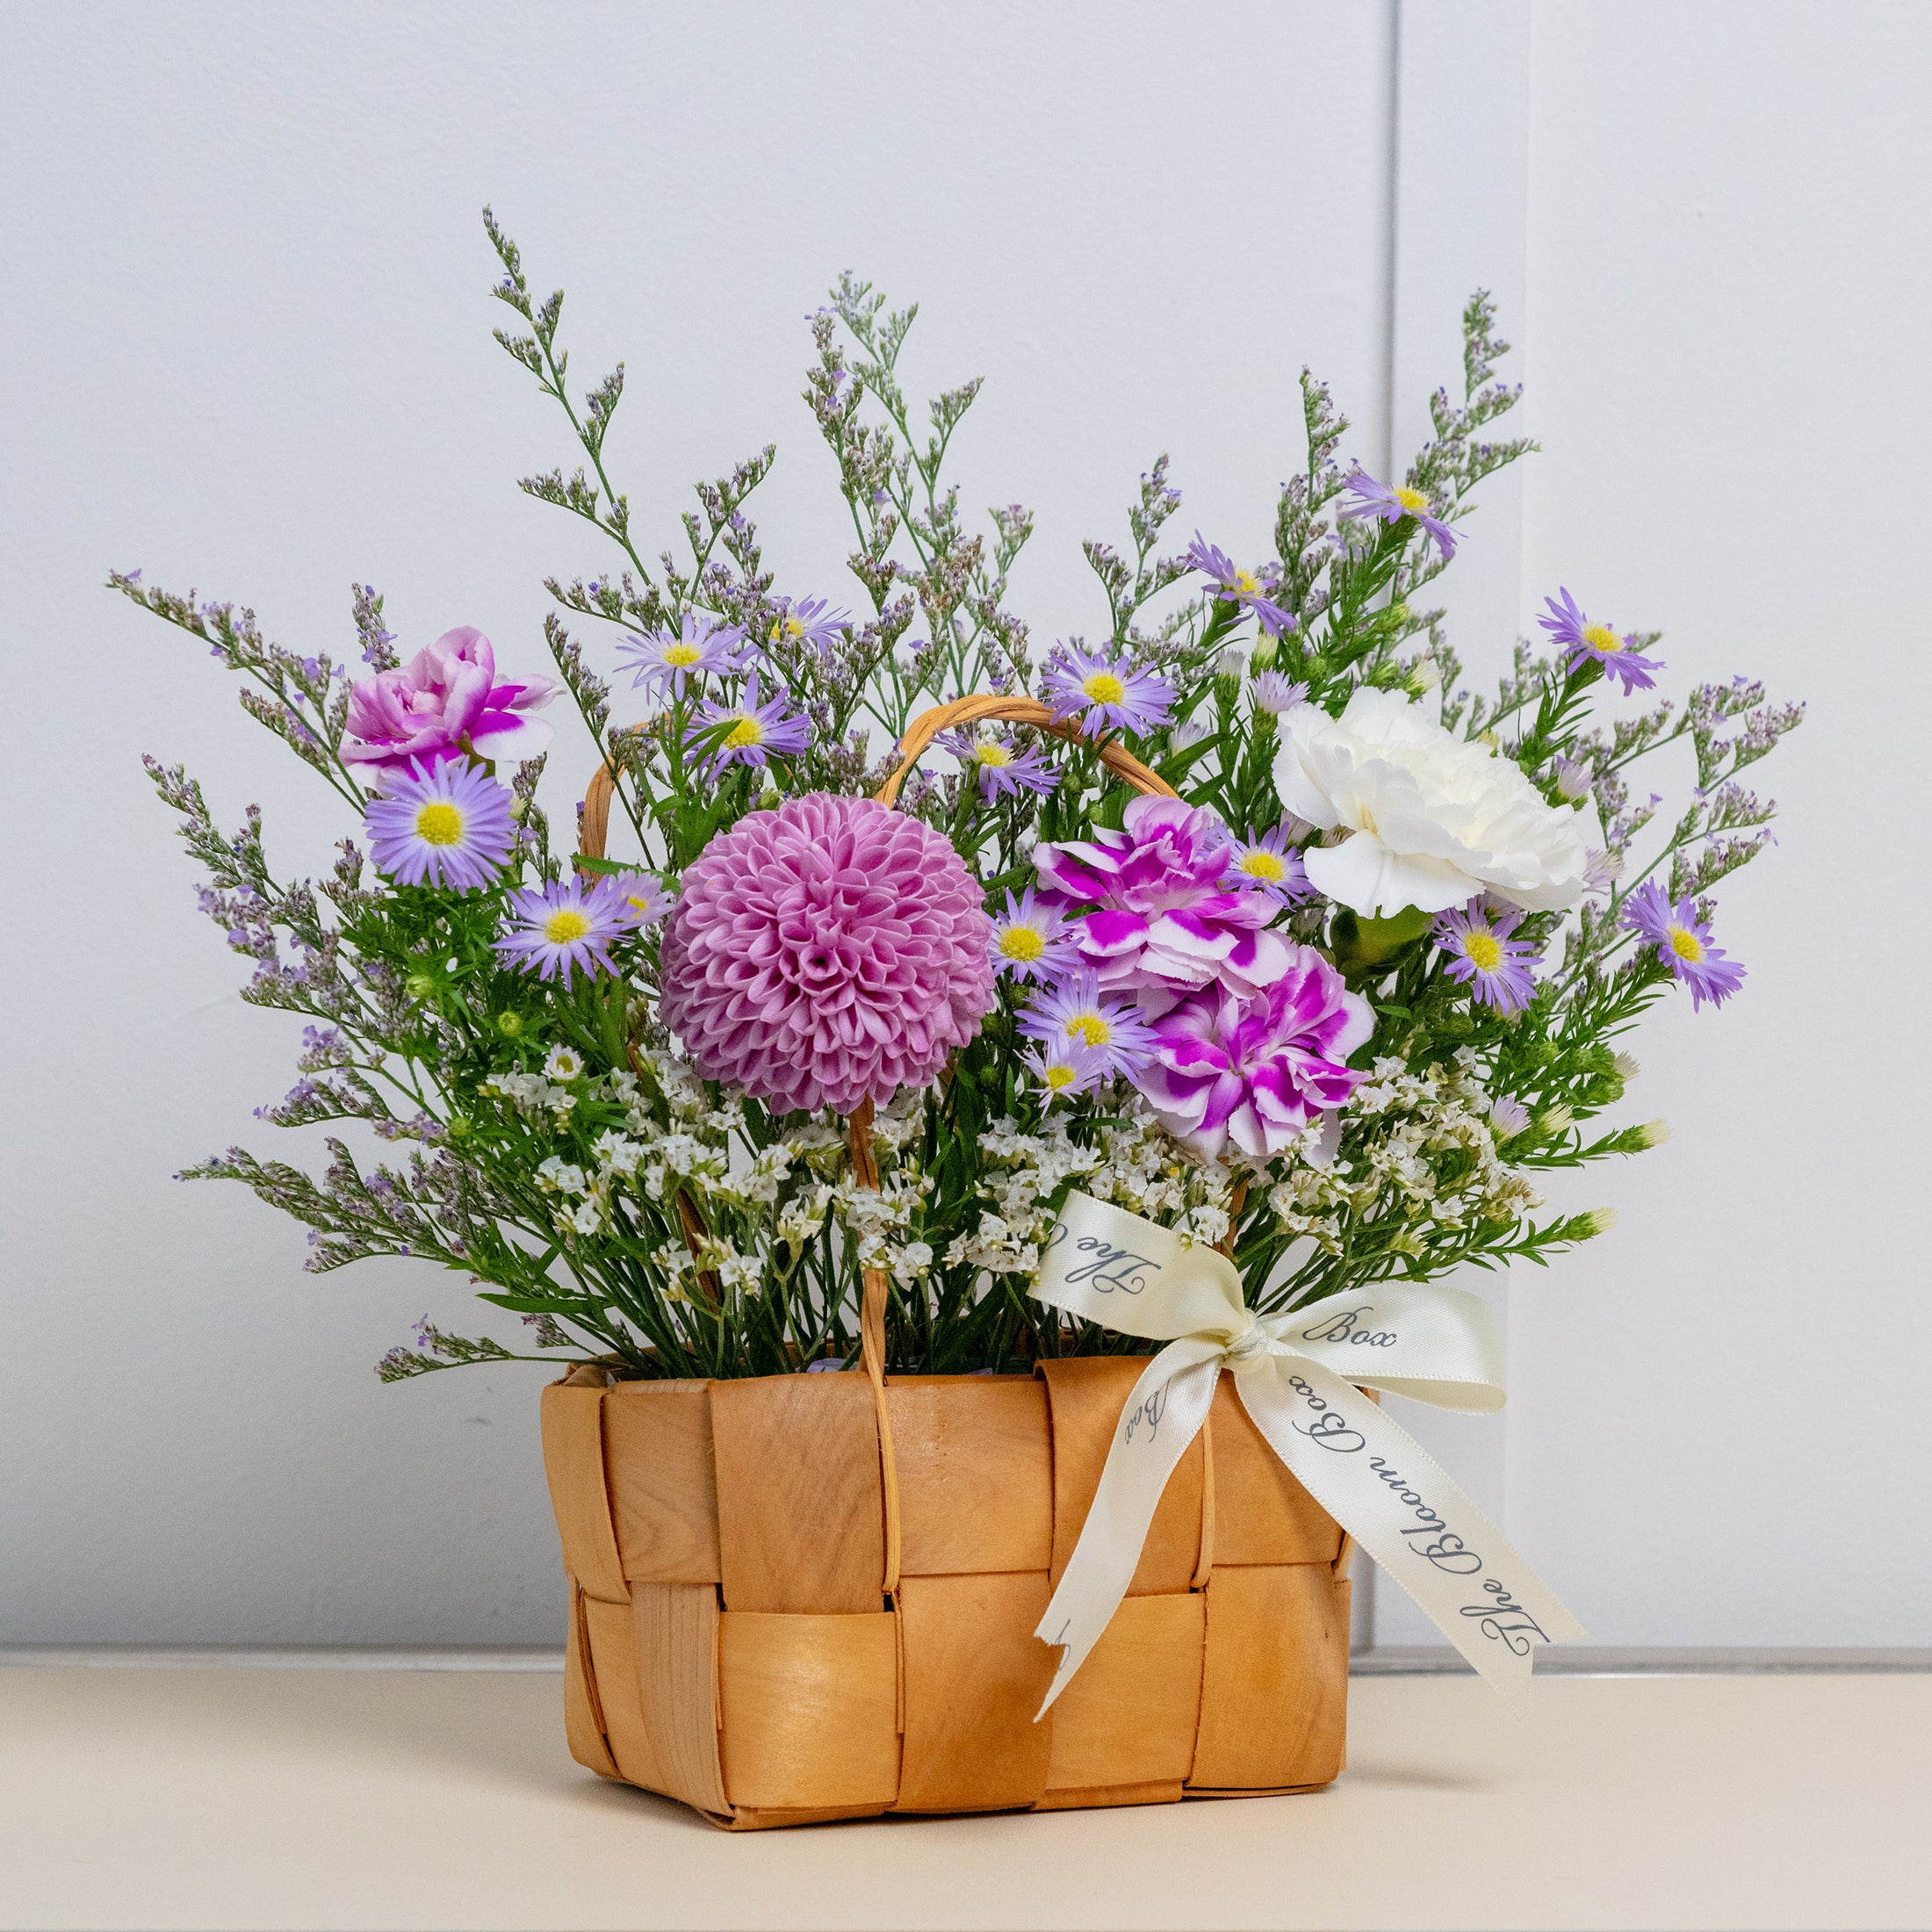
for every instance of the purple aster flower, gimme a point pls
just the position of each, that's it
(1257, 1069)
(1392, 502)
(1070, 1067)
(1508, 1118)
(636, 899)
(446, 701)
(1164, 921)
(757, 730)
(807, 621)
(444, 824)
(1585, 641)
(700, 647)
(1266, 862)
(1004, 772)
(1108, 694)
(1572, 779)
(1031, 940)
(1076, 1012)
(1272, 692)
(566, 924)
(1683, 944)
(1495, 967)
(1248, 590)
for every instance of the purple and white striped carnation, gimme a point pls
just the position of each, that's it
(1257, 1069)
(701, 647)
(1105, 693)
(1391, 503)
(445, 824)
(1583, 642)
(829, 952)
(561, 927)
(445, 700)
(1076, 1012)
(1683, 944)
(1248, 590)
(1483, 956)
(1164, 921)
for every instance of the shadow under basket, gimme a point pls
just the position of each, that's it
(742, 1640)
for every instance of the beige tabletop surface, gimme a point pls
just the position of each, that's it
(270, 1797)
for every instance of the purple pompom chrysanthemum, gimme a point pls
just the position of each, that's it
(827, 953)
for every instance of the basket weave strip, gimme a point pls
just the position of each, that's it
(731, 1644)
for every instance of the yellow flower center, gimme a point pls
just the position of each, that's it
(679, 655)
(1484, 950)
(747, 730)
(440, 825)
(785, 629)
(1090, 1030)
(1244, 585)
(1600, 637)
(1104, 687)
(1021, 942)
(1686, 944)
(1057, 1077)
(564, 926)
(1410, 499)
(994, 755)
(637, 901)
(1262, 865)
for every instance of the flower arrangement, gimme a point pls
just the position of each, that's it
(1333, 1006)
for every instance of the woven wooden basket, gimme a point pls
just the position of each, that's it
(812, 1597)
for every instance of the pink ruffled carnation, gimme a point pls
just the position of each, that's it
(1164, 923)
(829, 952)
(1257, 1068)
(447, 693)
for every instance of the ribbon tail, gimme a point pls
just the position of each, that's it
(1163, 1413)
(1394, 1498)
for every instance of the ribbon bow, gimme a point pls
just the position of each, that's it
(1299, 1377)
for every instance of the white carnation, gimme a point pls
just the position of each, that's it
(1432, 819)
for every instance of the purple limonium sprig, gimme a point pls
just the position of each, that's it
(1248, 589)
(565, 925)
(1106, 693)
(757, 731)
(700, 647)
(445, 824)
(1583, 642)
(1266, 862)
(1272, 692)
(1063, 1069)
(807, 620)
(1076, 1012)
(1683, 944)
(1495, 967)
(1390, 502)
(1031, 940)
(1003, 770)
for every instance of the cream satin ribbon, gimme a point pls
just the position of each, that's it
(1297, 1375)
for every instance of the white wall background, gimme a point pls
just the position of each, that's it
(249, 349)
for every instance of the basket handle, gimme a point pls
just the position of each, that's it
(594, 830)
